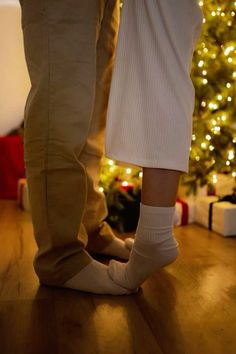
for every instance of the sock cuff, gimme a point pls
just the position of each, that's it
(156, 216)
(156, 209)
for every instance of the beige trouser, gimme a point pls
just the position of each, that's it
(69, 49)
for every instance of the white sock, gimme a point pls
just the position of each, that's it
(154, 247)
(94, 278)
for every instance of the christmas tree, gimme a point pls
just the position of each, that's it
(214, 120)
(214, 76)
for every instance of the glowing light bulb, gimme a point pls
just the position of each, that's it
(212, 105)
(200, 63)
(216, 129)
(128, 171)
(203, 145)
(208, 137)
(204, 72)
(140, 174)
(219, 97)
(101, 189)
(228, 85)
(229, 99)
(203, 104)
(234, 174)
(111, 162)
(204, 81)
(230, 155)
(197, 158)
(227, 163)
(211, 148)
(125, 183)
(214, 179)
(228, 50)
(193, 137)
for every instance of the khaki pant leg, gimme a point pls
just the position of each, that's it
(99, 232)
(60, 47)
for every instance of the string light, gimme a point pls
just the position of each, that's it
(212, 105)
(214, 179)
(111, 162)
(128, 171)
(200, 63)
(125, 183)
(223, 118)
(230, 155)
(101, 189)
(228, 50)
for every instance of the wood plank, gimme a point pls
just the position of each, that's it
(102, 324)
(28, 327)
(187, 307)
(190, 304)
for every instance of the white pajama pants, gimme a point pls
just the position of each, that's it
(151, 103)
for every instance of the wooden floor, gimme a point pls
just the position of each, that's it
(189, 307)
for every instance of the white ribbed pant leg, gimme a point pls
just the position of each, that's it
(149, 119)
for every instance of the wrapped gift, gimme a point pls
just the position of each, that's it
(184, 211)
(11, 165)
(217, 214)
(23, 195)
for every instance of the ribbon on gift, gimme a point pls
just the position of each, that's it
(226, 198)
(185, 211)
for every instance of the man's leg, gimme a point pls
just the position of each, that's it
(101, 238)
(60, 46)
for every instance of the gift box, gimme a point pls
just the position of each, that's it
(23, 194)
(11, 165)
(184, 211)
(216, 214)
